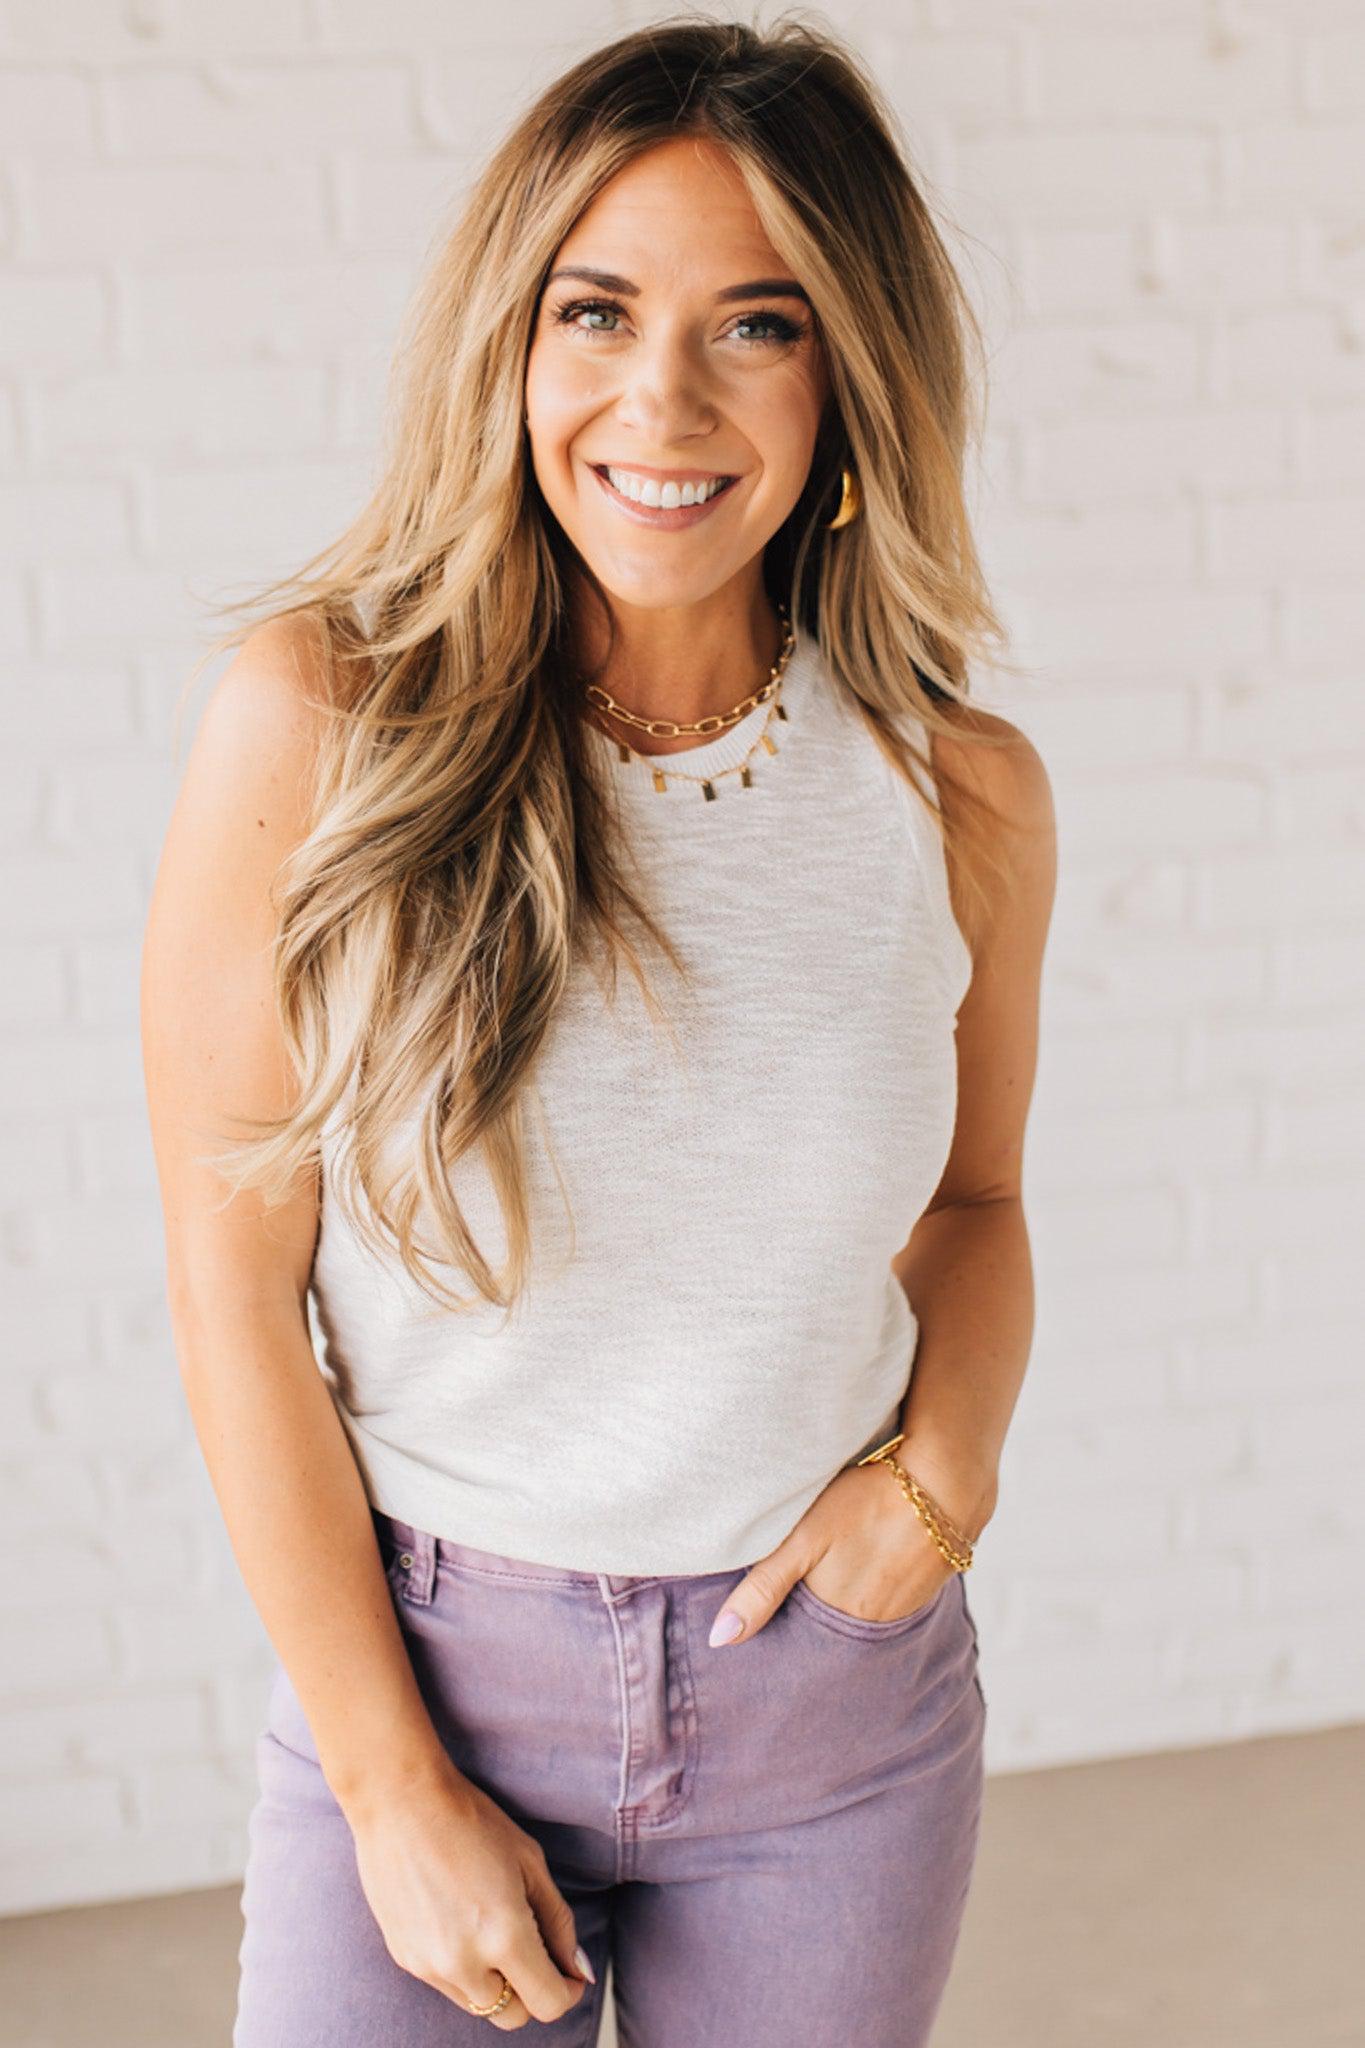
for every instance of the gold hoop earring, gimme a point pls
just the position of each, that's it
(850, 502)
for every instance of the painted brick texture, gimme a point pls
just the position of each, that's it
(210, 218)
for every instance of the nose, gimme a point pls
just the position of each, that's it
(664, 395)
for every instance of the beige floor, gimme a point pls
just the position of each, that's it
(1202, 1899)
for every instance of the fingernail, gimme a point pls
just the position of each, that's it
(726, 1626)
(583, 1966)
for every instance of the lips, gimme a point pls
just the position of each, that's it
(663, 478)
(663, 518)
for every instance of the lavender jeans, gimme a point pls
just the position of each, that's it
(772, 1841)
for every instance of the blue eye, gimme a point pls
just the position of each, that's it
(783, 329)
(567, 314)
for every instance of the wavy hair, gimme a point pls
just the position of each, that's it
(462, 847)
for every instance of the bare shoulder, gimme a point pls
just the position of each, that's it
(997, 805)
(247, 793)
(244, 802)
(1008, 771)
(989, 765)
(213, 1044)
(276, 690)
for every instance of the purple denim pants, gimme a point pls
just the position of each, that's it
(772, 1841)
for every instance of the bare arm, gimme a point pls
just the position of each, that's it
(967, 1265)
(280, 1463)
(462, 1894)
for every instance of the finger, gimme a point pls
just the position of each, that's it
(485, 1989)
(468, 1982)
(546, 1993)
(554, 1917)
(759, 1594)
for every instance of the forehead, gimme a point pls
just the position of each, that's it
(679, 209)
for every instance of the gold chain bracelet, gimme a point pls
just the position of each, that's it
(928, 1510)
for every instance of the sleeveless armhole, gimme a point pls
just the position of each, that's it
(955, 955)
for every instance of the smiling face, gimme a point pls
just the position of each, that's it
(678, 363)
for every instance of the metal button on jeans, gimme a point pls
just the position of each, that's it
(406, 1560)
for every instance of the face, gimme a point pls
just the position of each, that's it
(672, 370)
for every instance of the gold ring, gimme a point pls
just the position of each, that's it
(483, 2011)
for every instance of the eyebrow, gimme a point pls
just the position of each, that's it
(764, 287)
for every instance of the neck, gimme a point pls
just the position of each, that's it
(680, 663)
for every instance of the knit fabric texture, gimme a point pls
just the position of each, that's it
(711, 1329)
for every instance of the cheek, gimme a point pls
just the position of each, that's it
(784, 411)
(550, 428)
(559, 409)
(552, 393)
(786, 441)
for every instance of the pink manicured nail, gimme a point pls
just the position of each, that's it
(583, 1966)
(726, 1626)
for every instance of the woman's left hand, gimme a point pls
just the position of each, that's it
(860, 1546)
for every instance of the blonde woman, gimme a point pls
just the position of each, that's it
(539, 1321)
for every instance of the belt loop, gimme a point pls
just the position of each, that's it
(419, 1577)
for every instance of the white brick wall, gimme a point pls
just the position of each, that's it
(210, 218)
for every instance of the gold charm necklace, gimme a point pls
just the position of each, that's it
(768, 692)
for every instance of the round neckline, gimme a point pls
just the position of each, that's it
(711, 756)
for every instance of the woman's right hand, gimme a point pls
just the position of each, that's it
(460, 1892)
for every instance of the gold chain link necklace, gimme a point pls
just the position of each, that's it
(715, 722)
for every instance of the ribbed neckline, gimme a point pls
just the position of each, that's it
(727, 749)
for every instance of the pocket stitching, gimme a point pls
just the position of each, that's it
(859, 1627)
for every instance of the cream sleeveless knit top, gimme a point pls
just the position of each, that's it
(715, 1330)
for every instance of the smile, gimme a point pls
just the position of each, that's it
(667, 505)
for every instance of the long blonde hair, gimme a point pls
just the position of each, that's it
(462, 848)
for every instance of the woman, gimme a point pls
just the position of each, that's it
(602, 1632)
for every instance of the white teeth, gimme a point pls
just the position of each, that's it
(647, 490)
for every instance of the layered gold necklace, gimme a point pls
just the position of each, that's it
(768, 692)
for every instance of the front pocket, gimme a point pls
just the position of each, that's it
(857, 1625)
